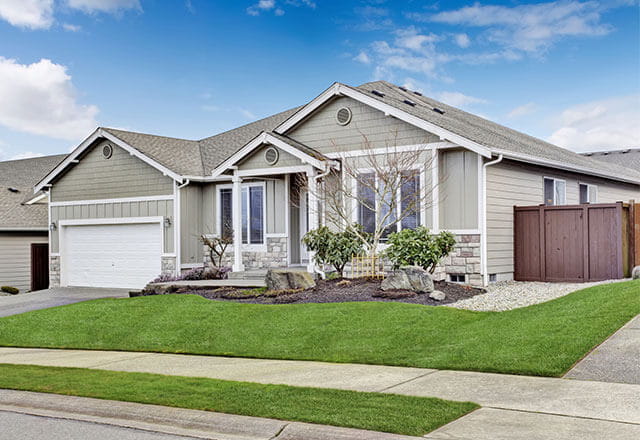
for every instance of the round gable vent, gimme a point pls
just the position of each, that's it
(343, 116)
(271, 155)
(107, 151)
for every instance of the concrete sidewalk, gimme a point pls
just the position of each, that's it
(615, 360)
(514, 407)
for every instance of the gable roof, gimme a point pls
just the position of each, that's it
(628, 158)
(22, 175)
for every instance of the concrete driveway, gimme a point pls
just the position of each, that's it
(43, 299)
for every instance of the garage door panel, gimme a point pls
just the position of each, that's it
(126, 255)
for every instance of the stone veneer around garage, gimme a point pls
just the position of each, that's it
(54, 271)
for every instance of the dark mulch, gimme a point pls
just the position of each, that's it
(339, 290)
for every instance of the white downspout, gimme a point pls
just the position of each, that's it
(483, 237)
(186, 182)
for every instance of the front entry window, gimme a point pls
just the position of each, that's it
(252, 213)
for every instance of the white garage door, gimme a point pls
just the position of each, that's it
(125, 255)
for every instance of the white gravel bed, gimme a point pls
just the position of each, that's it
(508, 295)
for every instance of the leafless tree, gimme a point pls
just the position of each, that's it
(217, 246)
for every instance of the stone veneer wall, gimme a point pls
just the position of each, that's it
(168, 265)
(275, 255)
(465, 259)
(54, 271)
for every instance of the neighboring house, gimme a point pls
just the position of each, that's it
(126, 206)
(628, 158)
(24, 224)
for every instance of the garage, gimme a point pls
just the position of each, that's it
(110, 255)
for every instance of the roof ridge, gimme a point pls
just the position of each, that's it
(148, 134)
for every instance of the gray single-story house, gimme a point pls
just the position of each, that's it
(24, 223)
(125, 206)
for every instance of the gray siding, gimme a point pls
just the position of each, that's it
(15, 258)
(191, 220)
(152, 208)
(458, 189)
(512, 184)
(322, 132)
(256, 160)
(122, 175)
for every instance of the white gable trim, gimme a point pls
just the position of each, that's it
(338, 89)
(100, 133)
(261, 139)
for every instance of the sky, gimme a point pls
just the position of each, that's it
(566, 71)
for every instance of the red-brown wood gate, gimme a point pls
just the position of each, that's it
(572, 242)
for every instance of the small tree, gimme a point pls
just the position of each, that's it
(334, 248)
(418, 247)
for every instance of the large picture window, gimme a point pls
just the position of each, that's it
(252, 212)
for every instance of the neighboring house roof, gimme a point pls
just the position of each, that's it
(21, 176)
(182, 158)
(628, 158)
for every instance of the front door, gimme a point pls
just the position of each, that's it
(39, 266)
(304, 224)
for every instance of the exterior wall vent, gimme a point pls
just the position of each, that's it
(343, 116)
(271, 156)
(107, 151)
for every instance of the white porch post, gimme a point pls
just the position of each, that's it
(435, 192)
(312, 208)
(237, 222)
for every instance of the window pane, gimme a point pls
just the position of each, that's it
(226, 217)
(245, 206)
(593, 194)
(548, 191)
(366, 202)
(584, 193)
(410, 200)
(560, 192)
(388, 209)
(256, 222)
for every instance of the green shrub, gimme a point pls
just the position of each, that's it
(418, 247)
(334, 248)
(9, 289)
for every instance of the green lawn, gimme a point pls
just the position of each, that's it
(379, 412)
(545, 339)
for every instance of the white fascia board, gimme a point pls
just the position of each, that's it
(390, 150)
(23, 229)
(100, 133)
(342, 90)
(265, 138)
(111, 221)
(563, 166)
(36, 199)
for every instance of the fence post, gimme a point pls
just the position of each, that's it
(586, 251)
(542, 246)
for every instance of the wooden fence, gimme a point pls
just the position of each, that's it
(576, 243)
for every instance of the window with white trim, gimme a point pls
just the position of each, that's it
(253, 210)
(588, 193)
(405, 205)
(555, 191)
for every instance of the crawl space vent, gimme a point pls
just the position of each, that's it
(343, 116)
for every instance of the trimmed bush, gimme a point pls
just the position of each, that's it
(418, 247)
(9, 289)
(334, 248)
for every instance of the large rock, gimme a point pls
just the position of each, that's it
(287, 279)
(636, 273)
(437, 295)
(409, 278)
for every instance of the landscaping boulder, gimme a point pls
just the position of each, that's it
(437, 295)
(409, 278)
(636, 273)
(287, 279)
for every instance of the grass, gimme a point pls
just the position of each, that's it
(545, 339)
(379, 412)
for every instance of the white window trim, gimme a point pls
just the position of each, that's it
(555, 180)
(255, 247)
(590, 188)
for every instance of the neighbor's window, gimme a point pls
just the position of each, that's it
(588, 193)
(406, 204)
(555, 191)
(252, 213)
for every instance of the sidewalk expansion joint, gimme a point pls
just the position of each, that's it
(560, 415)
(277, 434)
(406, 381)
(115, 361)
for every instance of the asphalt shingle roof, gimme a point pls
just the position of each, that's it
(22, 175)
(629, 158)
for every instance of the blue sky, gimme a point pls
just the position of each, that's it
(567, 71)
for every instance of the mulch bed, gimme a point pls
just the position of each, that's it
(339, 290)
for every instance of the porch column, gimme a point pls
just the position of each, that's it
(236, 213)
(312, 208)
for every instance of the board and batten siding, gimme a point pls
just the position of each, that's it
(15, 258)
(458, 189)
(369, 128)
(146, 208)
(512, 184)
(122, 175)
(191, 224)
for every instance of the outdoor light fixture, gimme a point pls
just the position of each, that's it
(53, 226)
(167, 222)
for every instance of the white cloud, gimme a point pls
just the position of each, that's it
(71, 27)
(531, 27)
(91, 6)
(457, 99)
(39, 98)
(363, 58)
(25, 155)
(599, 125)
(272, 5)
(32, 14)
(522, 110)
(462, 40)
